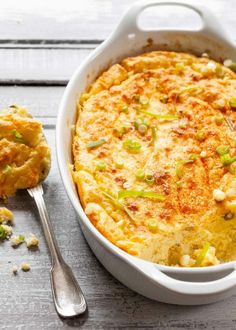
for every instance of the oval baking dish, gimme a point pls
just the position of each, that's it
(198, 285)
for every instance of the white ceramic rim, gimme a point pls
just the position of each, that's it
(128, 22)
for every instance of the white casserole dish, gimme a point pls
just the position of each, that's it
(187, 286)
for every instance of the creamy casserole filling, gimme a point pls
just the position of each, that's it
(155, 159)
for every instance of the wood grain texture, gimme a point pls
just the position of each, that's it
(43, 49)
(86, 20)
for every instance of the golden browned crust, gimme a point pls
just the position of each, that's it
(24, 153)
(181, 164)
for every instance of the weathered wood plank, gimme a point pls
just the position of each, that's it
(41, 66)
(90, 20)
(40, 101)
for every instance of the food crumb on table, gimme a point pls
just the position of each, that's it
(14, 270)
(17, 240)
(32, 241)
(25, 267)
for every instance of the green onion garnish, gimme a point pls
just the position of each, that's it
(227, 160)
(21, 238)
(131, 145)
(18, 137)
(164, 99)
(222, 150)
(101, 165)
(233, 67)
(189, 89)
(232, 102)
(179, 170)
(154, 138)
(143, 100)
(142, 129)
(119, 163)
(219, 119)
(125, 109)
(95, 144)
(179, 66)
(152, 225)
(120, 131)
(202, 255)
(3, 233)
(200, 135)
(149, 178)
(155, 115)
(7, 169)
(140, 174)
(118, 204)
(140, 193)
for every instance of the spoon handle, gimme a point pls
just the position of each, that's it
(68, 297)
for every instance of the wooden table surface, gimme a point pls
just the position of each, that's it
(39, 50)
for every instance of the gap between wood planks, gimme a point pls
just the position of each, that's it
(49, 44)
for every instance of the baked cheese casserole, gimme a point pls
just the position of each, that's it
(24, 153)
(155, 158)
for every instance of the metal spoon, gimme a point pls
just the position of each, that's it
(68, 297)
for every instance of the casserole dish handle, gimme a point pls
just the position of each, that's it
(184, 287)
(210, 24)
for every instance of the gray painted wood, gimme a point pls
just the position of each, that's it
(86, 20)
(26, 301)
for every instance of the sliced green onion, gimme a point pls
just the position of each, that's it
(218, 70)
(227, 160)
(21, 238)
(191, 159)
(232, 67)
(154, 138)
(120, 131)
(3, 233)
(119, 163)
(140, 174)
(219, 120)
(179, 184)
(118, 204)
(202, 255)
(189, 89)
(200, 135)
(143, 100)
(131, 145)
(7, 169)
(164, 99)
(125, 109)
(152, 225)
(159, 116)
(183, 125)
(138, 122)
(18, 137)
(140, 193)
(95, 144)
(222, 150)
(149, 178)
(179, 66)
(142, 129)
(16, 134)
(179, 170)
(101, 165)
(232, 102)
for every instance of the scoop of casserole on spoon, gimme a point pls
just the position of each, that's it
(25, 161)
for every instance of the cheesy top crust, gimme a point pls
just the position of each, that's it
(154, 158)
(24, 153)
